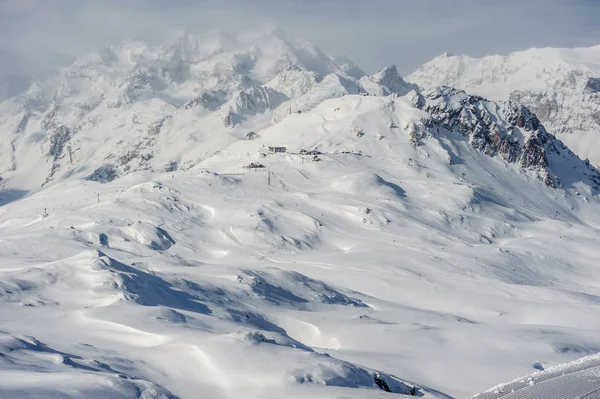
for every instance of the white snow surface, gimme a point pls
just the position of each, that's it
(143, 258)
(561, 85)
(576, 380)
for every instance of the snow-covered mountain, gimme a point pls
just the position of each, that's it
(419, 242)
(134, 106)
(561, 86)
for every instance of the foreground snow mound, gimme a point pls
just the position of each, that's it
(558, 85)
(579, 379)
(378, 267)
(295, 290)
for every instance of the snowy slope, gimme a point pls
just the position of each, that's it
(561, 86)
(579, 379)
(427, 243)
(436, 268)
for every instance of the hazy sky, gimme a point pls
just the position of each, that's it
(36, 35)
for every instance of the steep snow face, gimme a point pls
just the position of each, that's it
(558, 85)
(250, 102)
(386, 82)
(332, 86)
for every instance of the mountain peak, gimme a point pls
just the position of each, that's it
(556, 84)
(511, 131)
(389, 74)
(386, 82)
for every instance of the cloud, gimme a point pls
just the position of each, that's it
(37, 35)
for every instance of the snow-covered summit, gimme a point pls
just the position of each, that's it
(558, 85)
(386, 82)
(294, 81)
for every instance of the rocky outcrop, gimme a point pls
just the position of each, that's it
(508, 130)
(593, 85)
(104, 174)
(210, 100)
(57, 134)
(560, 86)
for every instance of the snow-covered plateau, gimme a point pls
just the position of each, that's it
(249, 217)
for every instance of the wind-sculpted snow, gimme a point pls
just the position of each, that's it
(34, 370)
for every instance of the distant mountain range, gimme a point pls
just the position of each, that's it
(135, 107)
(561, 86)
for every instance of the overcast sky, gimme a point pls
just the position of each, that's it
(36, 35)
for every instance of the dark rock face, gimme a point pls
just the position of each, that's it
(211, 100)
(23, 123)
(156, 127)
(510, 131)
(545, 106)
(104, 174)
(381, 383)
(58, 134)
(58, 139)
(593, 85)
(473, 118)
